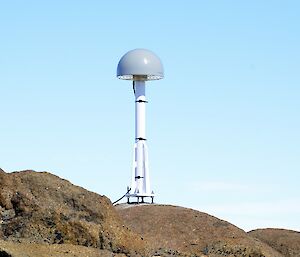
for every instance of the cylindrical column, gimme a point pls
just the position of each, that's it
(140, 132)
(140, 110)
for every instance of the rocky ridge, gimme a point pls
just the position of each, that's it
(287, 242)
(38, 207)
(180, 230)
(43, 215)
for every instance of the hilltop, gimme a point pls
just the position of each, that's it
(180, 230)
(43, 215)
(284, 241)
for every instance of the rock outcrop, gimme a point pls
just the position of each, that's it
(43, 215)
(176, 230)
(13, 249)
(284, 241)
(38, 207)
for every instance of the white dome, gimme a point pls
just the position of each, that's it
(140, 64)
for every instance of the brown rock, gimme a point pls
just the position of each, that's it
(38, 207)
(181, 231)
(43, 215)
(284, 241)
(12, 249)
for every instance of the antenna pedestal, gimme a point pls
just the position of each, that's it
(140, 65)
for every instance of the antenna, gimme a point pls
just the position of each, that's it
(140, 65)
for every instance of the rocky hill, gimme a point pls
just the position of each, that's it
(284, 241)
(43, 215)
(177, 230)
(38, 207)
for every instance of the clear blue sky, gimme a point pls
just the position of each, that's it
(223, 126)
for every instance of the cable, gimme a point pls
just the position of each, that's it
(121, 197)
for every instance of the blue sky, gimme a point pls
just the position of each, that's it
(223, 127)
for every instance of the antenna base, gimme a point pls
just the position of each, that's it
(140, 198)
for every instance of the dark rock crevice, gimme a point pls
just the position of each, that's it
(4, 254)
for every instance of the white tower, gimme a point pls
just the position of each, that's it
(140, 65)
